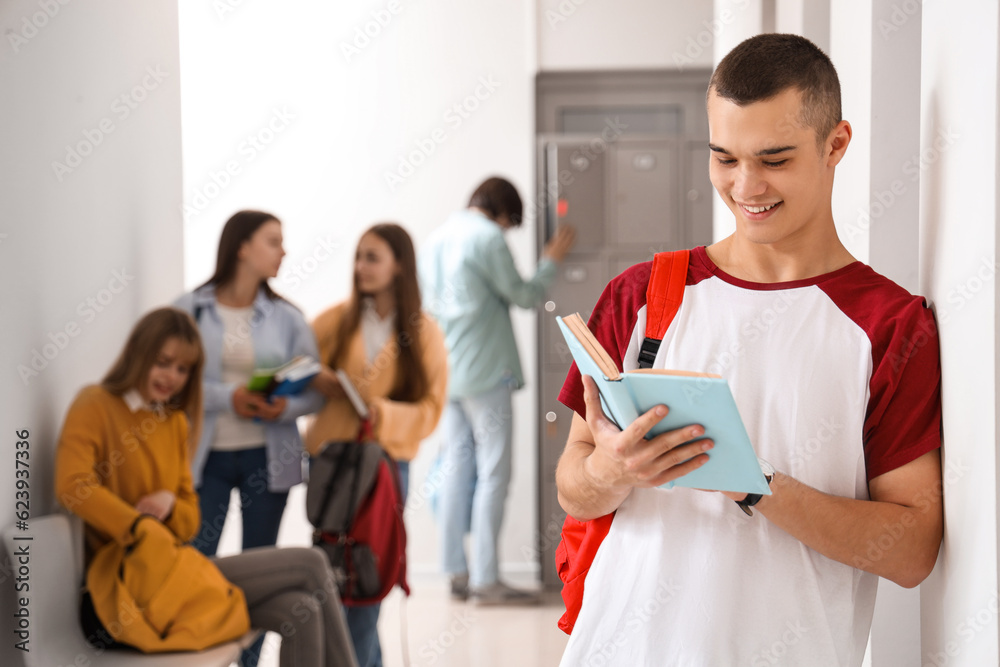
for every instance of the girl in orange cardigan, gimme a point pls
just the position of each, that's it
(394, 354)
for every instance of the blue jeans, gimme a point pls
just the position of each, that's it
(246, 470)
(476, 463)
(362, 621)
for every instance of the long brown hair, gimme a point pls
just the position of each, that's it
(237, 231)
(411, 377)
(148, 337)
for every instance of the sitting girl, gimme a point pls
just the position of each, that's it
(124, 452)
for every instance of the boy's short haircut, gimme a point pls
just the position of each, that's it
(766, 65)
(498, 197)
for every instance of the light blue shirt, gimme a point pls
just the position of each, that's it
(469, 281)
(280, 333)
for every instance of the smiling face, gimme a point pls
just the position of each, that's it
(262, 252)
(170, 371)
(767, 167)
(375, 266)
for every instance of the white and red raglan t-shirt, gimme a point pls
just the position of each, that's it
(837, 380)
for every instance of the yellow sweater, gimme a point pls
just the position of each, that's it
(401, 426)
(108, 458)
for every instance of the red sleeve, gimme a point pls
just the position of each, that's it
(903, 415)
(903, 421)
(612, 321)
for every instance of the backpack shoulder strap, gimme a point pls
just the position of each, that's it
(663, 298)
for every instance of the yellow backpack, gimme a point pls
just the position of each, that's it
(158, 594)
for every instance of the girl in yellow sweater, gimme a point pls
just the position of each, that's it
(124, 452)
(394, 354)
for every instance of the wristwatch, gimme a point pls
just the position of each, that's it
(754, 498)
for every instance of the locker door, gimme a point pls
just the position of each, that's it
(575, 187)
(646, 184)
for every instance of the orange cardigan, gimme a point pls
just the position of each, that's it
(401, 425)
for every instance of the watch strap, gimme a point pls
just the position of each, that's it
(752, 498)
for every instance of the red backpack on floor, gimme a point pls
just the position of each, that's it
(581, 539)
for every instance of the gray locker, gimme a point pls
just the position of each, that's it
(630, 193)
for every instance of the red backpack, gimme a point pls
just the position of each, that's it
(581, 539)
(355, 503)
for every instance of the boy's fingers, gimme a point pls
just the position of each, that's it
(592, 399)
(637, 429)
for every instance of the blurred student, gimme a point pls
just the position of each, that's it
(394, 355)
(470, 280)
(124, 453)
(248, 443)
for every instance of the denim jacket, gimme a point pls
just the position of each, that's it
(279, 333)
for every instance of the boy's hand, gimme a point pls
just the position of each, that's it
(625, 459)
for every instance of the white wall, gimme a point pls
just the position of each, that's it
(959, 217)
(86, 249)
(629, 34)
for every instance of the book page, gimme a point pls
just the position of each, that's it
(668, 371)
(592, 346)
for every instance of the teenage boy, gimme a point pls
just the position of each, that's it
(835, 371)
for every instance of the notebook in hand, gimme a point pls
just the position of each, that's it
(693, 398)
(286, 380)
(353, 395)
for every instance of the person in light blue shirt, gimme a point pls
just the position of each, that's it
(469, 283)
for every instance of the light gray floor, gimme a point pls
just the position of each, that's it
(442, 633)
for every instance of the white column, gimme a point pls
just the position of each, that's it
(894, 246)
(959, 216)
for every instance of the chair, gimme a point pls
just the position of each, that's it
(55, 570)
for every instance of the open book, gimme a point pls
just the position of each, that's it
(286, 380)
(693, 398)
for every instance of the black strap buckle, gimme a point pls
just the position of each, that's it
(647, 352)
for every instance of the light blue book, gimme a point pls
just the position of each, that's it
(693, 398)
